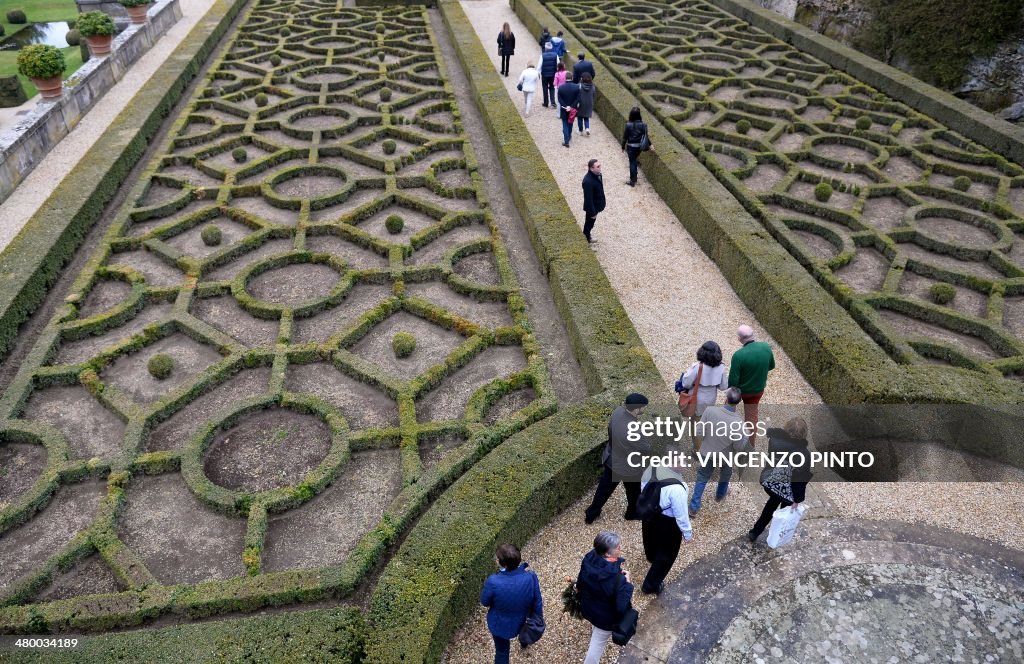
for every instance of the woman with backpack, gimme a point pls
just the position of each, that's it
(605, 591)
(785, 485)
(506, 47)
(511, 596)
(634, 141)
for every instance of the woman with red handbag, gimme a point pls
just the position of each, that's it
(699, 385)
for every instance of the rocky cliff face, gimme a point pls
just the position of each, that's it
(994, 83)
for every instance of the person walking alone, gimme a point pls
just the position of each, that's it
(605, 591)
(634, 141)
(750, 367)
(548, 67)
(664, 533)
(588, 91)
(528, 85)
(568, 104)
(616, 452)
(593, 197)
(724, 433)
(785, 485)
(511, 596)
(506, 47)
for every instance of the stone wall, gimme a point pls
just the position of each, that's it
(25, 144)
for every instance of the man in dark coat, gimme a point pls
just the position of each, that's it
(548, 68)
(616, 456)
(583, 66)
(593, 199)
(568, 99)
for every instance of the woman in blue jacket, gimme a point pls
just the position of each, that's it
(511, 596)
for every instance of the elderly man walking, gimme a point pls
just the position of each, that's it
(664, 532)
(616, 452)
(723, 432)
(749, 372)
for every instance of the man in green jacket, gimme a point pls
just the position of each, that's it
(748, 371)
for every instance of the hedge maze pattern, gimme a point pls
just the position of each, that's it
(915, 230)
(313, 252)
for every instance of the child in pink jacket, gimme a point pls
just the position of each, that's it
(560, 75)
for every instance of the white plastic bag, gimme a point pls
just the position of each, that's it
(784, 523)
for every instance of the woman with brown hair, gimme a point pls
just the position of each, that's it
(511, 596)
(506, 47)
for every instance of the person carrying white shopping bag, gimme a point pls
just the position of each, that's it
(784, 523)
(785, 485)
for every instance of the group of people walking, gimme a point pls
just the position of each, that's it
(660, 497)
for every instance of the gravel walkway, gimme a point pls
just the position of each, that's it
(33, 190)
(643, 262)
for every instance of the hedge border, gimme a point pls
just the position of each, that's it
(430, 586)
(33, 260)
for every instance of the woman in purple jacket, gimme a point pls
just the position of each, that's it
(511, 595)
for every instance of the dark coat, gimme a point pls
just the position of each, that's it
(506, 46)
(633, 134)
(593, 193)
(604, 592)
(510, 597)
(544, 38)
(588, 91)
(548, 64)
(583, 67)
(779, 441)
(569, 95)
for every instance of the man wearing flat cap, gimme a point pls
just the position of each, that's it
(614, 457)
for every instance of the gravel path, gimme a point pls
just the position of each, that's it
(33, 190)
(643, 262)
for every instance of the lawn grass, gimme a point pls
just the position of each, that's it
(37, 11)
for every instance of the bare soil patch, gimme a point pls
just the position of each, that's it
(448, 400)
(355, 256)
(73, 352)
(294, 285)
(433, 343)
(106, 294)
(866, 272)
(433, 252)
(191, 244)
(434, 450)
(480, 267)
(911, 327)
(131, 375)
(230, 270)
(90, 429)
(225, 314)
(358, 301)
(21, 464)
(489, 314)
(510, 404)
(89, 576)
(363, 406)
(157, 271)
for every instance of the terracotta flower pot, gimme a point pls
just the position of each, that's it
(137, 14)
(99, 45)
(49, 88)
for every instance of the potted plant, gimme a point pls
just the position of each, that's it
(98, 30)
(136, 9)
(44, 64)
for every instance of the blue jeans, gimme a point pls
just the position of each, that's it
(566, 126)
(703, 476)
(582, 122)
(501, 649)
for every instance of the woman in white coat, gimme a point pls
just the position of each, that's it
(528, 84)
(714, 376)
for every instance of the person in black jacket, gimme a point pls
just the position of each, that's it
(545, 37)
(605, 591)
(785, 486)
(548, 67)
(583, 66)
(506, 47)
(593, 195)
(632, 141)
(568, 98)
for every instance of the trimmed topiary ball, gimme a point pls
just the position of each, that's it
(646, 48)
(16, 17)
(381, 56)
(738, 45)
(275, 60)
(403, 343)
(73, 37)
(389, 146)
(962, 183)
(239, 155)
(380, 28)
(613, 20)
(790, 77)
(864, 123)
(385, 94)
(285, 31)
(823, 192)
(211, 235)
(394, 224)
(743, 126)
(942, 293)
(262, 100)
(160, 366)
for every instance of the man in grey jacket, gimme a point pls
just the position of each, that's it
(722, 429)
(614, 457)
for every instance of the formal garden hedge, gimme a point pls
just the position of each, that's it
(699, 72)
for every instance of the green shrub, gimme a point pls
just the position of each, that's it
(95, 24)
(16, 17)
(389, 146)
(737, 44)
(790, 77)
(211, 235)
(275, 60)
(133, 3)
(381, 56)
(962, 183)
(647, 48)
(73, 37)
(1, 30)
(285, 31)
(160, 366)
(403, 343)
(688, 79)
(743, 126)
(823, 192)
(942, 293)
(864, 123)
(613, 20)
(262, 99)
(385, 94)
(380, 28)
(394, 224)
(239, 155)
(40, 61)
